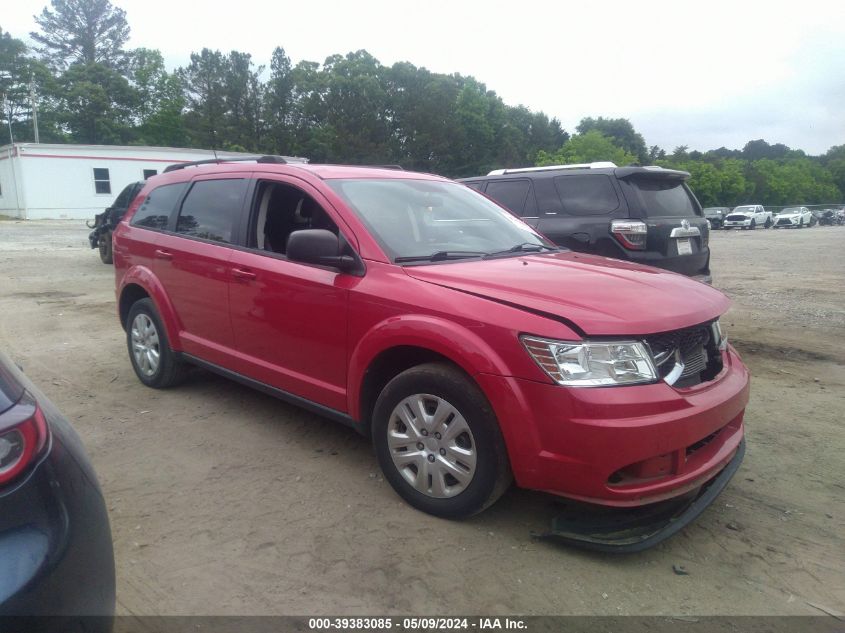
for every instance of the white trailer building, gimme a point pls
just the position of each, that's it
(47, 181)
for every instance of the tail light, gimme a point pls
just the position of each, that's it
(630, 233)
(23, 435)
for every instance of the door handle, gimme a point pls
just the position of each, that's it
(163, 254)
(244, 275)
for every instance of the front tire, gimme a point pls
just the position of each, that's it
(105, 246)
(753, 225)
(155, 364)
(438, 442)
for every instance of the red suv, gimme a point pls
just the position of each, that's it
(469, 347)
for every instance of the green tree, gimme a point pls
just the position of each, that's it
(14, 77)
(355, 106)
(82, 31)
(473, 149)
(279, 104)
(715, 184)
(244, 96)
(206, 105)
(834, 162)
(422, 119)
(586, 148)
(621, 131)
(158, 116)
(96, 104)
(759, 149)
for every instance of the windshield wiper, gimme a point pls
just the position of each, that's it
(524, 247)
(439, 256)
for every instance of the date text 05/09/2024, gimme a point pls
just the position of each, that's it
(417, 624)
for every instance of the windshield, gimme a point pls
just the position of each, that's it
(713, 211)
(746, 209)
(792, 210)
(429, 220)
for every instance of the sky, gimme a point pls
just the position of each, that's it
(705, 74)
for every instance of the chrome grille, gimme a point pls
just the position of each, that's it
(696, 349)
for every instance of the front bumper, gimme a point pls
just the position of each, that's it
(737, 223)
(627, 531)
(621, 446)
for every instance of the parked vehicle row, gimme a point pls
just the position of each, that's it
(471, 349)
(753, 216)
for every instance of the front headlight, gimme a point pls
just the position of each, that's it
(592, 364)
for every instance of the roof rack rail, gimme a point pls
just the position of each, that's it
(279, 160)
(520, 170)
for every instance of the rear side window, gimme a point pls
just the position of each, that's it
(211, 209)
(587, 195)
(474, 185)
(663, 198)
(509, 193)
(154, 212)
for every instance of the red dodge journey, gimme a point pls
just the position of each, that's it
(472, 350)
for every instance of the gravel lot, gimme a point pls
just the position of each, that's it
(225, 501)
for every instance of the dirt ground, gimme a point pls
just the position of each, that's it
(226, 501)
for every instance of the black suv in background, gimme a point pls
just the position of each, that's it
(643, 214)
(105, 222)
(716, 215)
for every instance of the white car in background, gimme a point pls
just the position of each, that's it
(794, 218)
(748, 216)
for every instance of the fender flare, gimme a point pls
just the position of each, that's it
(458, 344)
(144, 277)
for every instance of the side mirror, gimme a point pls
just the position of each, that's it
(318, 246)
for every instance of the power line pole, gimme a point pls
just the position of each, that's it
(32, 97)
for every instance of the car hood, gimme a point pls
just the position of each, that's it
(742, 213)
(791, 216)
(601, 296)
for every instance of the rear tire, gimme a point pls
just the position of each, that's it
(769, 223)
(155, 364)
(438, 442)
(105, 245)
